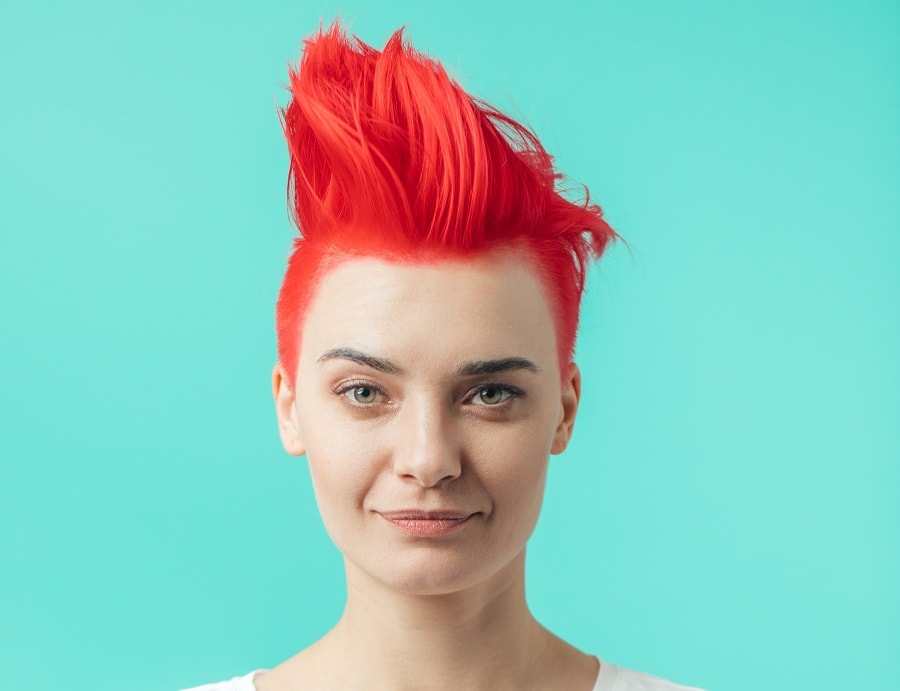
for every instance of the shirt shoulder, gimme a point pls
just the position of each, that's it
(244, 683)
(614, 678)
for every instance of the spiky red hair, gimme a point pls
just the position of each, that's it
(391, 158)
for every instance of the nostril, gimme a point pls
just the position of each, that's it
(429, 470)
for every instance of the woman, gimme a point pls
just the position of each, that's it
(426, 326)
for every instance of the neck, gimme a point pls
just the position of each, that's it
(478, 638)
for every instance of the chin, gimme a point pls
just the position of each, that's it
(430, 571)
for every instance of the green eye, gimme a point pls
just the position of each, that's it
(492, 395)
(364, 394)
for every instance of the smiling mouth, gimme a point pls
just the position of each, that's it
(426, 523)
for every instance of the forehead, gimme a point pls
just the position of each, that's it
(492, 305)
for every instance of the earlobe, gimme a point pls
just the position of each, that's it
(286, 412)
(569, 396)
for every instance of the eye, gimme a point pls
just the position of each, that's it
(363, 394)
(494, 394)
(360, 393)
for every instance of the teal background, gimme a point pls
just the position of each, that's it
(728, 513)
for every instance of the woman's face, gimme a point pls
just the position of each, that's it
(427, 400)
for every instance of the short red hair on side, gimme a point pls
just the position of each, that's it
(391, 158)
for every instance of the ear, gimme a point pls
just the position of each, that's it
(570, 394)
(288, 420)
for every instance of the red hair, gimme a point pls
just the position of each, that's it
(391, 158)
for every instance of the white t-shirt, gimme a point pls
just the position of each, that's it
(611, 678)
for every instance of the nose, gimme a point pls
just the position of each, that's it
(428, 450)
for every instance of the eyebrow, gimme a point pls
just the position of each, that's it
(375, 363)
(467, 369)
(478, 367)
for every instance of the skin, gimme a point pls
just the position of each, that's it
(395, 411)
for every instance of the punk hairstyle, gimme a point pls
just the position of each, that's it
(391, 158)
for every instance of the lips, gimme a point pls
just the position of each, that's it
(427, 523)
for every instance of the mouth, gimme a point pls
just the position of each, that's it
(426, 523)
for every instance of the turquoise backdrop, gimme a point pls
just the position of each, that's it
(728, 515)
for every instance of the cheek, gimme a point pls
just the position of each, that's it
(528, 453)
(342, 467)
(512, 463)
